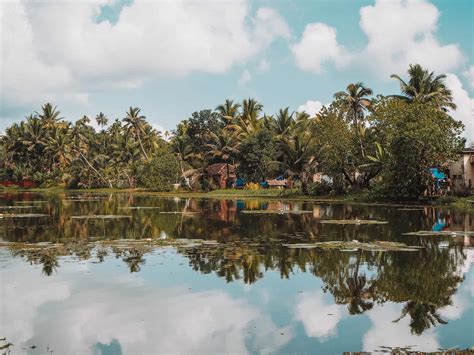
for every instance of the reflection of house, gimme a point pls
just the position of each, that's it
(222, 175)
(461, 172)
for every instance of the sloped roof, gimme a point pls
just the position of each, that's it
(220, 169)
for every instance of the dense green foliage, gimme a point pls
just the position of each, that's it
(386, 144)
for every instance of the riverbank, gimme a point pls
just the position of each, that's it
(360, 198)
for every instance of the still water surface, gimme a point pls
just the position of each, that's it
(103, 286)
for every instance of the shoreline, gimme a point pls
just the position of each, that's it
(464, 203)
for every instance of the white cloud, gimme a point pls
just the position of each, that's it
(263, 65)
(469, 75)
(465, 106)
(402, 32)
(245, 78)
(57, 49)
(395, 334)
(399, 33)
(66, 312)
(319, 319)
(319, 46)
(311, 107)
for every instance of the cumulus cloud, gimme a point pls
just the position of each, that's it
(59, 49)
(263, 65)
(311, 107)
(66, 312)
(395, 334)
(245, 78)
(469, 75)
(465, 106)
(319, 318)
(399, 33)
(319, 46)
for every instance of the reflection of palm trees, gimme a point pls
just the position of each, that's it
(49, 259)
(423, 316)
(134, 259)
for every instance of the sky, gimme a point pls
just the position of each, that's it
(174, 57)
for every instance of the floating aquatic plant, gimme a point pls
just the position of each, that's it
(441, 233)
(139, 208)
(351, 221)
(276, 211)
(101, 216)
(355, 245)
(23, 215)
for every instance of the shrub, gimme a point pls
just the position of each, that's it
(159, 174)
(319, 188)
(252, 186)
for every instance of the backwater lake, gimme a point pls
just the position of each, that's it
(122, 273)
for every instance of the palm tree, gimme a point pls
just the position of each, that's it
(355, 102)
(135, 124)
(248, 121)
(49, 115)
(223, 147)
(182, 150)
(101, 119)
(229, 110)
(425, 86)
(297, 150)
(282, 122)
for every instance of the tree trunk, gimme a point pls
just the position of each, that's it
(95, 170)
(141, 146)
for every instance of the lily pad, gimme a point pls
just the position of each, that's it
(351, 221)
(23, 215)
(16, 207)
(139, 208)
(355, 245)
(101, 216)
(276, 212)
(441, 233)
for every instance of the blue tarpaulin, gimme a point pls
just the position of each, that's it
(439, 175)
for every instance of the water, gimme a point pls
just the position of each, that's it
(103, 286)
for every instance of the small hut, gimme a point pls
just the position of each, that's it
(222, 175)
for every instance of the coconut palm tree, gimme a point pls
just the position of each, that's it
(282, 122)
(355, 101)
(49, 115)
(248, 121)
(101, 119)
(135, 124)
(223, 147)
(228, 110)
(425, 86)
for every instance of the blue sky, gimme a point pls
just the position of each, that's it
(174, 57)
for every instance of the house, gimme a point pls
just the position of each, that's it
(276, 183)
(461, 172)
(222, 175)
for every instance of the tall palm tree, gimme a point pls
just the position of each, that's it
(355, 101)
(425, 86)
(49, 115)
(101, 119)
(228, 110)
(282, 122)
(248, 121)
(135, 124)
(223, 146)
(182, 150)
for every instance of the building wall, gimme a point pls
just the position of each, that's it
(462, 173)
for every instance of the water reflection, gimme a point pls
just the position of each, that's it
(417, 291)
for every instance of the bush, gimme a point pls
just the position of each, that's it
(319, 188)
(159, 174)
(252, 186)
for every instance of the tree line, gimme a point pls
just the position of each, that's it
(384, 144)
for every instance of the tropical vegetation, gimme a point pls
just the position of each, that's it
(383, 144)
